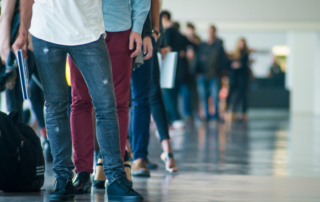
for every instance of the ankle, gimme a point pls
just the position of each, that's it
(99, 175)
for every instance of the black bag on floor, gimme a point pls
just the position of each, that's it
(21, 158)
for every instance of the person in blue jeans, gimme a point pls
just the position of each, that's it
(139, 124)
(210, 60)
(146, 99)
(75, 27)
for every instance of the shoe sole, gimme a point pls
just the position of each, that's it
(140, 173)
(125, 198)
(61, 198)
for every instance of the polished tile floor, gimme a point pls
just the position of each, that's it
(274, 157)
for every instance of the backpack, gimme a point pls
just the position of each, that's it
(21, 159)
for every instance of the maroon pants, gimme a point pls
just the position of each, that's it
(81, 108)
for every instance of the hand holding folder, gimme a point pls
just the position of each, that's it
(24, 75)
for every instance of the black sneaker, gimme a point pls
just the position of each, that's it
(121, 190)
(64, 190)
(98, 184)
(82, 183)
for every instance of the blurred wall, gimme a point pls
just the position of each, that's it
(251, 15)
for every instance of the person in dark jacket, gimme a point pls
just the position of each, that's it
(178, 43)
(239, 79)
(211, 59)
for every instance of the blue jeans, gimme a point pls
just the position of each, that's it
(94, 63)
(185, 92)
(158, 109)
(170, 98)
(140, 109)
(208, 88)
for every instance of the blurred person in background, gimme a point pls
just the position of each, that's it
(191, 56)
(192, 35)
(238, 81)
(276, 73)
(211, 59)
(178, 43)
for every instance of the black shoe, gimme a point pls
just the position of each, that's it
(121, 190)
(82, 183)
(64, 190)
(98, 184)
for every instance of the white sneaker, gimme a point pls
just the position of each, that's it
(178, 125)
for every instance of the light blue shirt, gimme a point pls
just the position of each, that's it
(121, 15)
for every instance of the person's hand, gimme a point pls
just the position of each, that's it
(190, 54)
(147, 47)
(235, 65)
(21, 43)
(164, 51)
(155, 36)
(135, 38)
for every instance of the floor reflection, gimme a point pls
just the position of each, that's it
(273, 157)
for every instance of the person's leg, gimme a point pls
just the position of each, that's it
(203, 95)
(158, 109)
(37, 104)
(118, 43)
(186, 96)
(93, 61)
(167, 100)
(140, 89)
(243, 93)
(51, 60)
(159, 112)
(214, 92)
(81, 121)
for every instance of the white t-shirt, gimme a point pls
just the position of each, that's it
(67, 22)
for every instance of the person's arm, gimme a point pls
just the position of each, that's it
(146, 36)
(155, 17)
(7, 7)
(140, 10)
(25, 22)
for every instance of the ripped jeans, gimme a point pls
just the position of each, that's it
(93, 61)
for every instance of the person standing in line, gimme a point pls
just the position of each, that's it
(179, 43)
(147, 99)
(158, 110)
(239, 80)
(9, 26)
(211, 59)
(75, 27)
(100, 178)
(123, 29)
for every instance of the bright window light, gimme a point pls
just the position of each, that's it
(281, 50)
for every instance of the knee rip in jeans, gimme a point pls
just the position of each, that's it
(45, 50)
(105, 81)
